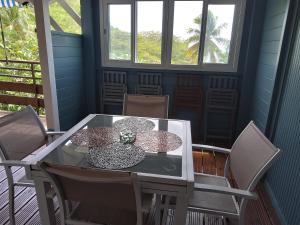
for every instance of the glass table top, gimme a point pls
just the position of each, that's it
(168, 163)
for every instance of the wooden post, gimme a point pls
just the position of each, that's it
(43, 26)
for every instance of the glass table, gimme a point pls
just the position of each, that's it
(168, 173)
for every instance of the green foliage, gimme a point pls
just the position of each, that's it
(64, 20)
(20, 36)
(149, 47)
(120, 44)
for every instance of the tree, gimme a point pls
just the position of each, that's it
(214, 43)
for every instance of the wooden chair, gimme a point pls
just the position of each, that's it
(146, 106)
(21, 135)
(189, 95)
(113, 88)
(98, 196)
(221, 106)
(149, 84)
(248, 159)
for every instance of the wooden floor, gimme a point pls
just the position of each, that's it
(26, 211)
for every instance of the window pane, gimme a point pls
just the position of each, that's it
(186, 32)
(149, 31)
(120, 32)
(218, 33)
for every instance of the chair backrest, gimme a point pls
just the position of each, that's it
(153, 79)
(146, 106)
(149, 83)
(114, 77)
(222, 98)
(116, 191)
(187, 80)
(223, 82)
(21, 133)
(251, 155)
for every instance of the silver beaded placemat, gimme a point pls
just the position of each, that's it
(116, 156)
(134, 124)
(157, 141)
(95, 137)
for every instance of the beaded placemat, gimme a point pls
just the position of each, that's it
(134, 124)
(116, 156)
(158, 141)
(95, 137)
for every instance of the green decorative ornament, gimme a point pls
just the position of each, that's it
(127, 137)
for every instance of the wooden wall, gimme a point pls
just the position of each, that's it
(271, 40)
(68, 63)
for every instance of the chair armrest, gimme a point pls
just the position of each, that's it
(55, 133)
(14, 163)
(211, 148)
(225, 190)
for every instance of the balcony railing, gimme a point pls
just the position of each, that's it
(21, 84)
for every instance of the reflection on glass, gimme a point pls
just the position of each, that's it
(119, 32)
(186, 32)
(149, 31)
(218, 33)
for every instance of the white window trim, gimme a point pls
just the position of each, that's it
(167, 31)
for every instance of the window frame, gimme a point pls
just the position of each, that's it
(167, 37)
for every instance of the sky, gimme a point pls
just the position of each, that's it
(149, 15)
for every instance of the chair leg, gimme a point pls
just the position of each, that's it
(11, 194)
(11, 190)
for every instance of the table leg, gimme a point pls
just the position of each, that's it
(181, 210)
(46, 207)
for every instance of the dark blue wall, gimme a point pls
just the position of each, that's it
(271, 40)
(68, 63)
(283, 181)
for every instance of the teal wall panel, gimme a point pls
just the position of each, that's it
(271, 40)
(68, 64)
(283, 180)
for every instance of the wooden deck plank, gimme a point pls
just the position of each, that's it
(20, 201)
(209, 163)
(3, 185)
(26, 212)
(220, 162)
(4, 196)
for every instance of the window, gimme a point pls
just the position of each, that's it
(186, 32)
(172, 34)
(149, 32)
(119, 32)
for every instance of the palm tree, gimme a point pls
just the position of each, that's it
(214, 43)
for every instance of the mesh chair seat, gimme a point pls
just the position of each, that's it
(146, 106)
(94, 214)
(90, 213)
(212, 201)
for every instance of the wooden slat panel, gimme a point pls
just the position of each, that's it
(17, 100)
(21, 87)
